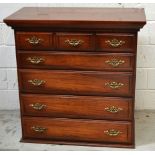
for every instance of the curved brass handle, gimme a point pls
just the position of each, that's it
(38, 106)
(113, 109)
(74, 42)
(114, 62)
(35, 60)
(114, 85)
(34, 40)
(115, 43)
(36, 82)
(38, 129)
(112, 132)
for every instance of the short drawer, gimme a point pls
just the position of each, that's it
(115, 42)
(75, 41)
(34, 40)
(77, 130)
(93, 107)
(76, 60)
(76, 82)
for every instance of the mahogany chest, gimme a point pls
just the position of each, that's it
(76, 74)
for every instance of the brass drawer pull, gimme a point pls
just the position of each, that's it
(38, 129)
(112, 132)
(114, 85)
(34, 40)
(115, 42)
(113, 109)
(38, 106)
(36, 82)
(74, 42)
(35, 60)
(114, 62)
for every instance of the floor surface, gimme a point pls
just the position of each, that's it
(10, 134)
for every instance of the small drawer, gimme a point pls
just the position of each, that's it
(34, 40)
(76, 60)
(76, 82)
(77, 130)
(115, 42)
(75, 41)
(93, 107)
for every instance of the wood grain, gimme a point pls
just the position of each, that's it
(87, 41)
(76, 60)
(76, 130)
(128, 40)
(69, 106)
(109, 18)
(76, 82)
(45, 43)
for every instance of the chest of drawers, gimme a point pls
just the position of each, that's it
(76, 74)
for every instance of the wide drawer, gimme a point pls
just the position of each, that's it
(76, 60)
(34, 40)
(115, 42)
(76, 82)
(94, 107)
(75, 41)
(76, 130)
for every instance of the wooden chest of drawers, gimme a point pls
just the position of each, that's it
(76, 73)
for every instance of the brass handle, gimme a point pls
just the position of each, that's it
(36, 82)
(115, 42)
(38, 129)
(114, 62)
(38, 106)
(74, 42)
(34, 40)
(114, 85)
(35, 60)
(112, 132)
(113, 109)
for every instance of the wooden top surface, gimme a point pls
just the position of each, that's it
(99, 17)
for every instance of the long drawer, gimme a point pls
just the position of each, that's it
(76, 60)
(75, 82)
(77, 130)
(93, 107)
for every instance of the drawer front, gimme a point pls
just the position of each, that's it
(116, 42)
(77, 130)
(77, 106)
(34, 40)
(80, 61)
(76, 82)
(75, 41)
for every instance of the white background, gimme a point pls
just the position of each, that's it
(145, 83)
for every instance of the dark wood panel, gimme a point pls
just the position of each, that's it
(115, 42)
(77, 60)
(75, 41)
(77, 130)
(127, 18)
(34, 40)
(92, 107)
(76, 82)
